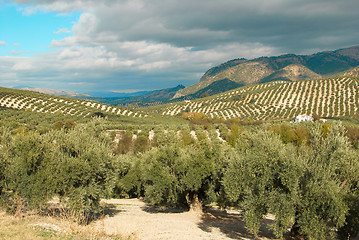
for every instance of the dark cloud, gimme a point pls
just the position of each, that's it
(287, 24)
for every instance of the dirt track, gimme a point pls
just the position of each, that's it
(132, 217)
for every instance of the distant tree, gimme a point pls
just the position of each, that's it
(59, 125)
(353, 135)
(205, 94)
(98, 115)
(69, 124)
(315, 117)
(125, 143)
(141, 144)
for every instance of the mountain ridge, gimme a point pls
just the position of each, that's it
(247, 72)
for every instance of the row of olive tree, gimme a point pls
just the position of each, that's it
(311, 185)
(311, 188)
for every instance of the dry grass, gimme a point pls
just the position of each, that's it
(34, 227)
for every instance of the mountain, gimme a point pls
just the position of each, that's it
(288, 67)
(293, 72)
(214, 88)
(150, 99)
(109, 94)
(55, 92)
(329, 97)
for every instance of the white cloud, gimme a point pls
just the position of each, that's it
(28, 11)
(2, 43)
(21, 66)
(13, 52)
(80, 83)
(16, 44)
(62, 30)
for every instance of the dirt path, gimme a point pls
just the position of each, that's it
(134, 218)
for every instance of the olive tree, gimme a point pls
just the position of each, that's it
(309, 188)
(77, 165)
(263, 178)
(174, 175)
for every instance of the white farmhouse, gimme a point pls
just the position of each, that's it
(303, 118)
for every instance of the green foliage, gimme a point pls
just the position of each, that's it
(353, 135)
(350, 228)
(233, 135)
(264, 178)
(187, 138)
(124, 144)
(287, 134)
(309, 189)
(141, 144)
(76, 165)
(173, 175)
(330, 168)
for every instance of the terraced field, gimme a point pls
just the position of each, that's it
(332, 97)
(43, 103)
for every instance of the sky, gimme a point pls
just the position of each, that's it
(90, 46)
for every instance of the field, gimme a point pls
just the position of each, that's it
(328, 98)
(333, 97)
(43, 103)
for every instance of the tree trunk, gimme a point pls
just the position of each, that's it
(194, 204)
(295, 228)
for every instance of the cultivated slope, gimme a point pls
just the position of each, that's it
(330, 97)
(289, 67)
(44, 103)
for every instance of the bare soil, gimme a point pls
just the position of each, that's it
(134, 218)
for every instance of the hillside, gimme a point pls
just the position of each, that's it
(56, 92)
(44, 103)
(330, 97)
(152, 98)
(289, 67)
(212, 89)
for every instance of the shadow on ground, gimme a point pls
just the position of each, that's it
(153, 209)
(56, 211)
(232, 225)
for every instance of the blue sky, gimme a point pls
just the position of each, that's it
(132, 45)
(26, 34)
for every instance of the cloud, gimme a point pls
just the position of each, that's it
(21, 66)
(289, 25)
(62, 30)
(13, 52)
(16, 44)
(2, 43)
(151, 44)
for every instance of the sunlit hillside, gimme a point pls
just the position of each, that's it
(44, 103)
(331, 97)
